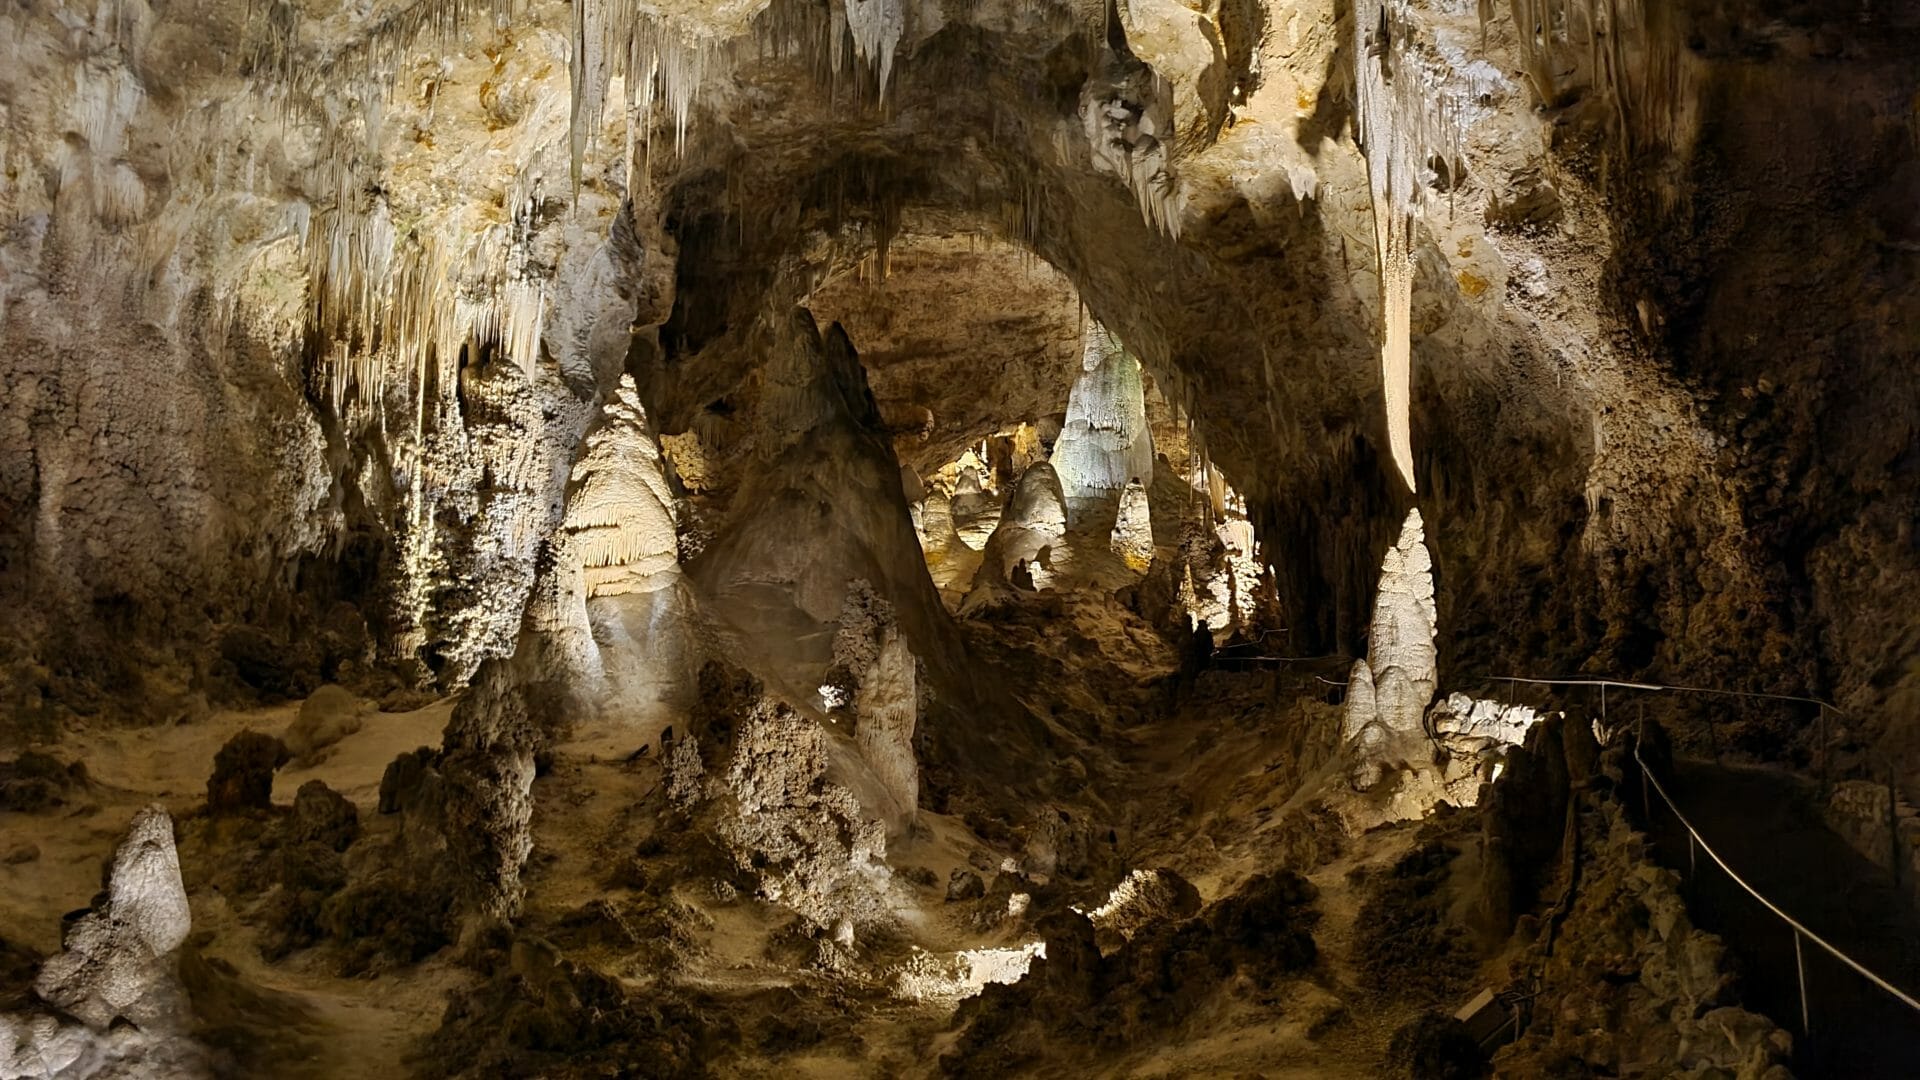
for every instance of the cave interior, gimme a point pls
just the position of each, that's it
(964, 538)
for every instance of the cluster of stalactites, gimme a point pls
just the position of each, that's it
(1629, 57)
(875, 27)
(669, 60)
(383, 302)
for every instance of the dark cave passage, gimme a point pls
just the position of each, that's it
(1765, 825)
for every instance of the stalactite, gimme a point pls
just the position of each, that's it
(1410, 111)
(1632, 58)
(1390, 113)
(876, 27)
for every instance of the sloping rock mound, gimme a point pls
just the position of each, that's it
(35, 782)
(1144, 991)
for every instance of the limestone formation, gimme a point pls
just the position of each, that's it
(1133, 529)
(243, 771)
(807, 840)
(620, 510)
(1032, 530)
(329, 714)
(115, 960)
(876, 672)
(111, 1003)
(1105, 444)
(1388, 691)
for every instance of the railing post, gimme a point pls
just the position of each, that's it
(1826, 749)
(1646, 796)
(1800, 967)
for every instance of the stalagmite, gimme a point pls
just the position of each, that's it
(1133, 529)
(1388, 691)
(1105, 444)
(620, 514)
(111, 1003)
(114, 958)
(1032, 530)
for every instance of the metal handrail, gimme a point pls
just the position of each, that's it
(1799, 929)
(1825, 707)
(1657, 687)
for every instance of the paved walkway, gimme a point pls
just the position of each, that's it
(1765, 825)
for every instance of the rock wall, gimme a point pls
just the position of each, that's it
(1881, 826)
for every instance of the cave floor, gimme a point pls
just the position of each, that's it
(1218, 788)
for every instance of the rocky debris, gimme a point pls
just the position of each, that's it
(1144, 991)
(266, 664)
(404, 778)
(540, 1014)
(1435, 1046)
(1405, 943)
(865, 621)
(463, 837)
(807, 840)
(281, 871)
(1525, 201)
(1880, 826)
(752, 773)
(1524, 819)
(964, 884)
(1469, 726)
(329, 714)
(34, 782)
(323, 816)
(1142, 898)
(242, 779)
(1628, 985)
